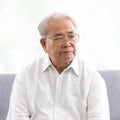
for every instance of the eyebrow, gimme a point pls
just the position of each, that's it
(58, 34)
(61, 34)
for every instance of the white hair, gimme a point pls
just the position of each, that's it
(42, 27)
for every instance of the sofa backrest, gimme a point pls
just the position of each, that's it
(112, 79)
(6, 81)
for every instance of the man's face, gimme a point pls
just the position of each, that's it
(63, 52)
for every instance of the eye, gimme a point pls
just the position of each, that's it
(58, 38)
(71, 36)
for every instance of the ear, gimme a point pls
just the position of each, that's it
(43, 44)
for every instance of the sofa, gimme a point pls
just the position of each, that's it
(111, 77)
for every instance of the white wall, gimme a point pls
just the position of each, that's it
(98, 23)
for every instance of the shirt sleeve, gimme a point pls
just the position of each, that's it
(97, 99)
(18, 106)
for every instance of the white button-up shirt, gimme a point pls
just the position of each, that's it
(41, 93)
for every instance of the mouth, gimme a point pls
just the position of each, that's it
(66, 51)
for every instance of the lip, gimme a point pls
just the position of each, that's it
(66, 51)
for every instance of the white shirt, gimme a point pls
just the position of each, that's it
(41, 93)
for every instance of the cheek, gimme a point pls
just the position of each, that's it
(52, 50)
(75, 47)
(56, 51)
(48, 47)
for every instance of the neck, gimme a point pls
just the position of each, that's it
(61, 67)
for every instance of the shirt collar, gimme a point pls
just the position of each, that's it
(46, 63)
(74, 65)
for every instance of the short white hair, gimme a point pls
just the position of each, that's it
(42, 27)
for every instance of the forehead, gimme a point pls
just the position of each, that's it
(60, 26)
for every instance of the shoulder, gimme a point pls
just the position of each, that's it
(30, 72)
(33, 67)
(87, 71)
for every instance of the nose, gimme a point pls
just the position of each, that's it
(66, 43)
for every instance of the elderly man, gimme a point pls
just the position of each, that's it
(58, 86)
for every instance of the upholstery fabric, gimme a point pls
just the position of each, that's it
(6, 82)
(112, 79)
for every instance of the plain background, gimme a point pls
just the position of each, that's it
(98, 22)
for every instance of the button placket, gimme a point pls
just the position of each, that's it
(57, 112)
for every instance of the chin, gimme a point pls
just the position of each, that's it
(68, 58)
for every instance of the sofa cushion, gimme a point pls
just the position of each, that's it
(112, 79)
(6, 82)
